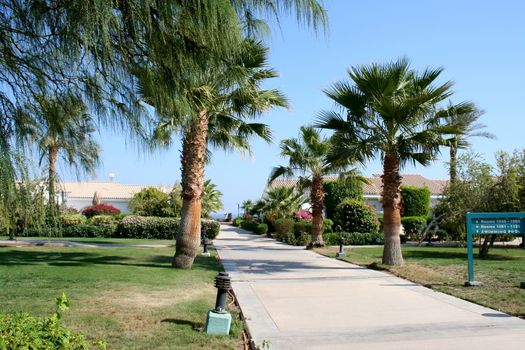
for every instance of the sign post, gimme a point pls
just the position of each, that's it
(488, 224)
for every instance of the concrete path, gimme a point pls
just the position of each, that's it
(296, 299)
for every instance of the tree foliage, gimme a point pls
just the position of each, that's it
(415, 201)
(339, 190)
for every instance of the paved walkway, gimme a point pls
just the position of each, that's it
(297, 299)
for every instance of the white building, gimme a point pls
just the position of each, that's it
(372, 191)
(79, 195)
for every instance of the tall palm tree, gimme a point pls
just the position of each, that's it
(307, 156)
(211, 199)
(247, 205)
(62, 127)
(467, 114)
(389, 110)
(216, 113)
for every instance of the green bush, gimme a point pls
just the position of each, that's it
(103, 220)
(121, 216)
(354, 238)
(248, 226)
(79, 230)
(286, 237)
(355, 216)
(327, 225)
(284, 226)
(72, 219)
(338, 191)
(261, 229)
(147, 227)
(304, 239)
(302, 226)
(415, 201)
(413, 226)
(149, 201)
(237, 221)
(210, 228)
(23, 331)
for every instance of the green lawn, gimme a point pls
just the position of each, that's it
(445, 269)
(129, 296)
(96, 240)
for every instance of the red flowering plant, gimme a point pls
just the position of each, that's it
(100, 210)
(303, 215)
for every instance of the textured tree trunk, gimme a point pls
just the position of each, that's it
(316, 198)
(193, 162)
(391, 211)
(53, 153)
(453, 160)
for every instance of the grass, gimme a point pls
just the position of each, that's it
(445, 269)
(128, 296)
(96, 240)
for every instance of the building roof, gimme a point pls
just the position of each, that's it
(106, 190)
(374, 187)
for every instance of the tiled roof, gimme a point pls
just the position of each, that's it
(374, 188)
(106, 190)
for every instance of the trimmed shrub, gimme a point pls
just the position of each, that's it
(327, 225)
(338, 191)
(237, 221)
(413, 226)
(415, 201)
(304, 239)
(121, 216)
(284, 226)
(354, 238)
(147, 227)
(248, 226)
(210, 228)
(103, 220)
(355, 216)
(301, 226)
(93, 210)
(23, 331)
(72, 219)
(149, 201)
(261, 229)
(286, 237)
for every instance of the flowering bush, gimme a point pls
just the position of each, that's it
(100, 210)
(303, 215)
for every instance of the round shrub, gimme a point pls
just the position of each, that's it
(103, 220)
(284, 226)
(210, 228)
(72, 219)
(304, 239)
(237, 222)
(93, 210)
(301, 226)
(413, 226)
(261, 229)
(338, 191)
(415, 201)
(355, 216)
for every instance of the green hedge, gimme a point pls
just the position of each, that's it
(261, 229)
(413, 226)
(354, 238)
(237, 221)
(131, 226)
(415, 201)
(284, 226)
(355, 216)
(338, 191)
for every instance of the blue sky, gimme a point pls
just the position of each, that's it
(481, 45)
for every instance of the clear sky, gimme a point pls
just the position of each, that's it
(480, 43)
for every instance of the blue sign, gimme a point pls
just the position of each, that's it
(489, 224)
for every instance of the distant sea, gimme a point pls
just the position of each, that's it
(221, 216)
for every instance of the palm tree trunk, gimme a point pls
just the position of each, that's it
(391, 210)
(53, 153)
(193, 162)
(316, 198)
(453, 160)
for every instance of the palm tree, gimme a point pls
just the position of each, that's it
(280, 202)
(307, 155)
(389, 110)
(211, 199)
(223, 99)
(467, 114)
(247, 205)
(62, 127)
